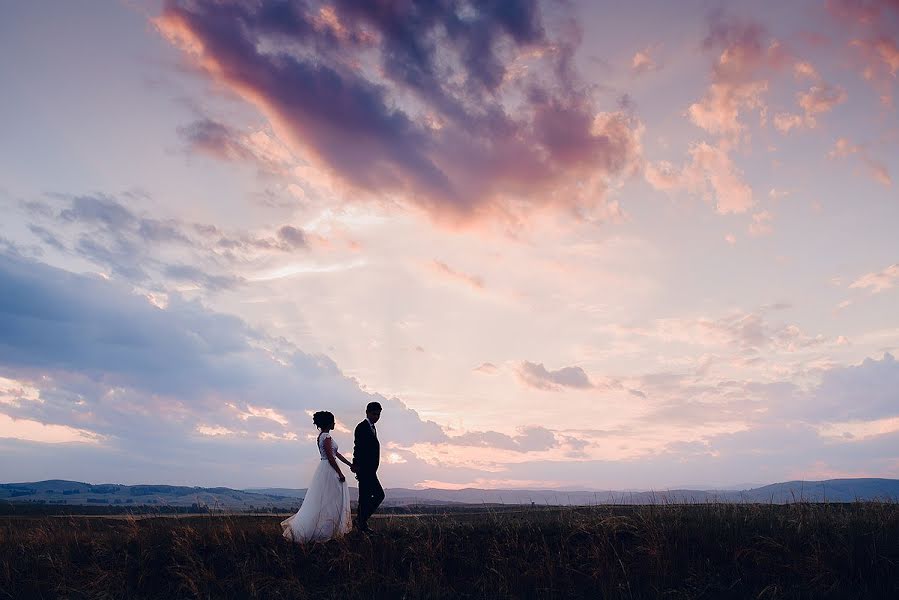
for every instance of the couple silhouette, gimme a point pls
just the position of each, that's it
(325, 512)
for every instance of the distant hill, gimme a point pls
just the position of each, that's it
(60, 492)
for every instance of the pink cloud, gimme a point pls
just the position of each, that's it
(819, 99)
(643, 62)
(843, 148)
(743, 333)
(487, 368)
(805, 70)
(711, 173)
(878, 281)
(784, 122)
(740, 75)
(46, 433)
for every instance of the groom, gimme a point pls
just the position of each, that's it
(366, 456)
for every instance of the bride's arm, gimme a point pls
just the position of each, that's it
(329, 452)
(343, 460)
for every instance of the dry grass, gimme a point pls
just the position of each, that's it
(698, 551)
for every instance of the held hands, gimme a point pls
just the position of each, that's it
(341, 478)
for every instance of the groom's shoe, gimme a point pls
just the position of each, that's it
(359, 526)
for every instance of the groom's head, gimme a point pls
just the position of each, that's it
(373, 412)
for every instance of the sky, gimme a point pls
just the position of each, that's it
(566, 244)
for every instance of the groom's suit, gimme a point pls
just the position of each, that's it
(366, 458)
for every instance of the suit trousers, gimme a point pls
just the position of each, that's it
(371, 494)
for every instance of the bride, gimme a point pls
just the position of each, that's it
(325, 512)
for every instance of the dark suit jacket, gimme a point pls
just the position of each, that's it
(366, 449)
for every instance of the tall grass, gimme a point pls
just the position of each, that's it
(674, 551)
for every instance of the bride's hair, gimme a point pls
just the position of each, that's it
(323, 419)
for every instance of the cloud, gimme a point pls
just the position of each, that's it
(818, 100)
(877, 24)
(75, 337)
(83, 359)
(785, 122)
(215, 139)
(444, 270)
(854, 393)
(738, 330)
(536, 376)
(211, 137)
(47, 237)
(529, 439)
(711, 172)
(643, 62)
(430, 124)
(93, 357)
(805, 70)
(115, 236)
(198, 277)
(292, 236)
(878, 281)
(843, 148)
(746, 58)
(863, 12)
(761, 224)
(486, 368)
(35, 431)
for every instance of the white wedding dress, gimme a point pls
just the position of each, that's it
(325, 512)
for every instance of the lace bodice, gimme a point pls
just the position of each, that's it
(321, 445)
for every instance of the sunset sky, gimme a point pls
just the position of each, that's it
(566, 244)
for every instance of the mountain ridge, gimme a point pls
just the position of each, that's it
(64, 492)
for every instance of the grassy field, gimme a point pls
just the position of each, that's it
(698, 551)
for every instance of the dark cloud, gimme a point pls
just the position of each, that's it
(199, 277)
(214, 138)
(292, 236)
(150, 381)
(124, 258)
(435, 123)
(153, 230)
(46, 237)
(145, 379)
(56, 320)
(861, 392)
(537, 376)
(99, 209)
(109, 361)
(121, 240)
